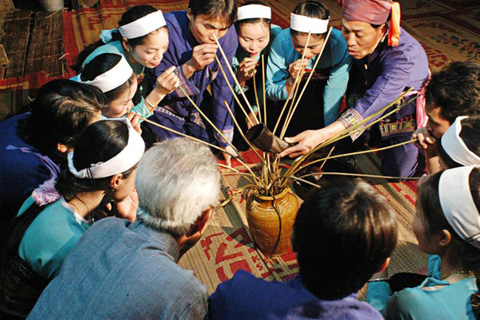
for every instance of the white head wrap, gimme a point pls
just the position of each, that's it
(113, 78)
(143, 26)
(254, 11)
(123, 161)
(307, 24)
(456, 148)
(457, 204)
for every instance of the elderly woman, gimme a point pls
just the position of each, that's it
(137, 262)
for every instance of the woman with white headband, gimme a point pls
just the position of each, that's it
(459, 145)
(255, 34)
(142, 38)
(50, 222)
(111, 73)
(320, 104)
(447, 223)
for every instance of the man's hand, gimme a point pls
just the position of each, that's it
(306, 141)
(202, 56)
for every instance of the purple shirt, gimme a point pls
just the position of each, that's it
(247, 297)
(181, 44)
(383, 76)
(22, 167)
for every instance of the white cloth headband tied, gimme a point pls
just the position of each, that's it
(143, 26)
(123, 161)
(254, 11)
(456, 148)
(113, 78)
(307, 24)
(457, 203)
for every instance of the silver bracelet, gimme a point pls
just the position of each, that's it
(151, 104)
(379, 280)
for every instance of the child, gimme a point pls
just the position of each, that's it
(59, 212)
(342, 234)
(255, 34)
(142, 38)
(111, 73)
(446, 224)
(320, 104)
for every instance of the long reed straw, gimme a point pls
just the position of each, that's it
(287, 122)
(227, 63)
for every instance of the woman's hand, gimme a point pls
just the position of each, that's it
(246, 70)
(167, 81)
(296, 68)
(306, 141)
(135, 121)
(127, 208)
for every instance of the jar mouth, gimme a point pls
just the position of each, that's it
(270, 198)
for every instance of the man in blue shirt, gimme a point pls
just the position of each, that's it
(123, 270)
(342, 234)
(192, 49)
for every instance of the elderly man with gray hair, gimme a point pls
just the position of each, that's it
(123, 270)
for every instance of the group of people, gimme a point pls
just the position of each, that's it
(96, 215)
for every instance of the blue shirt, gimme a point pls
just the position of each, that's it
(123, 270)
(335, 57)
(181, 44)
(51, 237)
(384, 75)
(22, 168)
(247, 297)
(452, 301)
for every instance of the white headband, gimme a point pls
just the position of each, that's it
(456, 148)
(307, 24)
(143, 26)
(254, 11)
(113, 78)
(457, 203)
(123, 161)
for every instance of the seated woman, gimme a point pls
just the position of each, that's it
(142, 38)
(34, 144)
(446, 224)
(111, 73)
(255, 34)
(58, 213)
(320, 104)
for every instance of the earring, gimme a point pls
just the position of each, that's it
(114, 189)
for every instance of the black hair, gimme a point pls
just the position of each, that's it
(128, 16)
(100, 142)
(469, 134)
(101, 64)
(456, 90)
(266, 22)
(226, 9)
(343, 234)
(311, 9)
(434, 220)
(59, 113)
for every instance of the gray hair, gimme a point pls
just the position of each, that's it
(176, 181)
